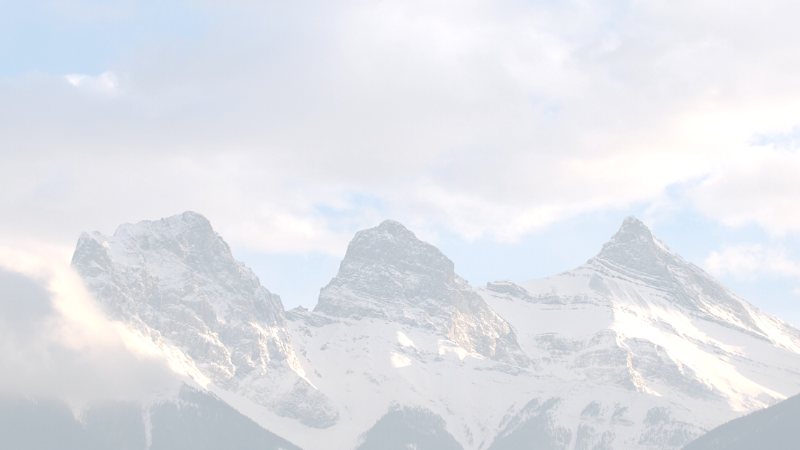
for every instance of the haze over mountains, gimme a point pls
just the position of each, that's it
(636, 349)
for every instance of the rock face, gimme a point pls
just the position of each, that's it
(176, 281)
(389, 274)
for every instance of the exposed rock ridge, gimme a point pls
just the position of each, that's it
(636, 254)
(389, 274)
(635, 247)
(175, 280)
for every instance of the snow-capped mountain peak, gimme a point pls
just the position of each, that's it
(636, 255)
(635, 247)
(388, 273)
(176, 282)
(385, 271)
(637, 349)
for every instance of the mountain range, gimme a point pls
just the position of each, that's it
(635, 349)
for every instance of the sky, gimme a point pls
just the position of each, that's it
(515, 136)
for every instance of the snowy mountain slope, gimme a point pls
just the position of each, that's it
(640, 318)
(370, 366)
(708, 342)
(636, 349)
(175, 281)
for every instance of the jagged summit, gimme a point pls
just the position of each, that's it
(176, 224)
(639, 257)
(391, 227)
(635, 247)
(634, 234)
(176, 282)
(393, 244)
(390, 274)
(187, 228)
(386, 264)
(188, 236)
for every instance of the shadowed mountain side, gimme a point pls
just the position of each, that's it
(196, 421)
(49, 424)
(202, 421)
(773, 428)
(533, 428)
(409, 428)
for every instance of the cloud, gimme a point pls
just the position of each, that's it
(105, 83)
(749, 261)
(762, 189)
(55, 342)
(485, 118)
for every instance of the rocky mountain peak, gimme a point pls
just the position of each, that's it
(175, 225)
(176, 281)
(390, 274)
(391, 228)
(188, 236)
(393, 245)
(386, 271)
(188, 225)
(640, 257)
(635, 247)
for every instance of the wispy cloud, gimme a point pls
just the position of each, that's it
(106, 82)
(761, 188)
(56, 342)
